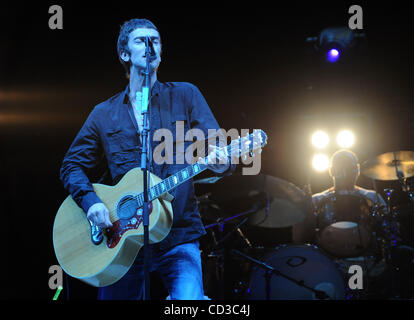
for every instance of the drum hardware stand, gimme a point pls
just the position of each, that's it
(237, 228)
(404, 185)
(219, 254)
(395, 248)
(321, 295)
(221, 221)
(391, 241)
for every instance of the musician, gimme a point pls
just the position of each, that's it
(111, 136)
(344, 170)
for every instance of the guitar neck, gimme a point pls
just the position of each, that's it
(176, 179)
(235, 148)
(172, 182)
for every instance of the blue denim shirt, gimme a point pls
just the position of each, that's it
(110, 134)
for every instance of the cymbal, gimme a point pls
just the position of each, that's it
(207, 180)
(385, 166)
(276, 203)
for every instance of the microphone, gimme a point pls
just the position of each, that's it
(150, 49)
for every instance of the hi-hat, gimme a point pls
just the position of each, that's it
(387, 165)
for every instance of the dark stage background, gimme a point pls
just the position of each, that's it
(252, 64)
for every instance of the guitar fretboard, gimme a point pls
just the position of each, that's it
(236, 148)
(172, 182)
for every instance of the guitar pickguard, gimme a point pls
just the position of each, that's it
(119, 227)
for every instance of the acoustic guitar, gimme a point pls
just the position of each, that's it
(102, 257)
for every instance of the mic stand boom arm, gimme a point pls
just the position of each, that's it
(319, 294)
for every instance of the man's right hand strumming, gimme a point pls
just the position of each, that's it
(98, 214)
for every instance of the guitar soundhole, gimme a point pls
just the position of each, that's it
(127, 207)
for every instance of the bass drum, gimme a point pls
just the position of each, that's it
(303, 263)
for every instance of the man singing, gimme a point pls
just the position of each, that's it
(112, 135)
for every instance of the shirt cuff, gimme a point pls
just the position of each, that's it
(88, 200)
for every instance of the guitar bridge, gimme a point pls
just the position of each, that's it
(119, 227)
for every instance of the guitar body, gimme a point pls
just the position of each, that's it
(105, 263)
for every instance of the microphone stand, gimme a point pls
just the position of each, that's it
(269, 270)
(145, 166)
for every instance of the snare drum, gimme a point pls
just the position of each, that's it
(301, 262)
(345, 225)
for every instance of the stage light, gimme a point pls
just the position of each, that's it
(332, 55)
(320, 139)
(345, 139)
(334, 42)
(320, 162)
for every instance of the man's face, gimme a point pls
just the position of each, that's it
(136, 45)
(346, 176)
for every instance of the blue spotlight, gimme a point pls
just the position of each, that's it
(334, 42)
(332, 55)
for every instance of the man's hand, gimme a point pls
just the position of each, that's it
(99, 215)
(217, 160)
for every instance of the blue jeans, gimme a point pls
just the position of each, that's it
(179, 268)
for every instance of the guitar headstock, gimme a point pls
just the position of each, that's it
(259, 138)
(248, 144)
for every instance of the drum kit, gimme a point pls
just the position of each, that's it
(248, 251)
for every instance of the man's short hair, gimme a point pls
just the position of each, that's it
(344, 160)
(126, 29)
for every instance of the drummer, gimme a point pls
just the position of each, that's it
(344, 171)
